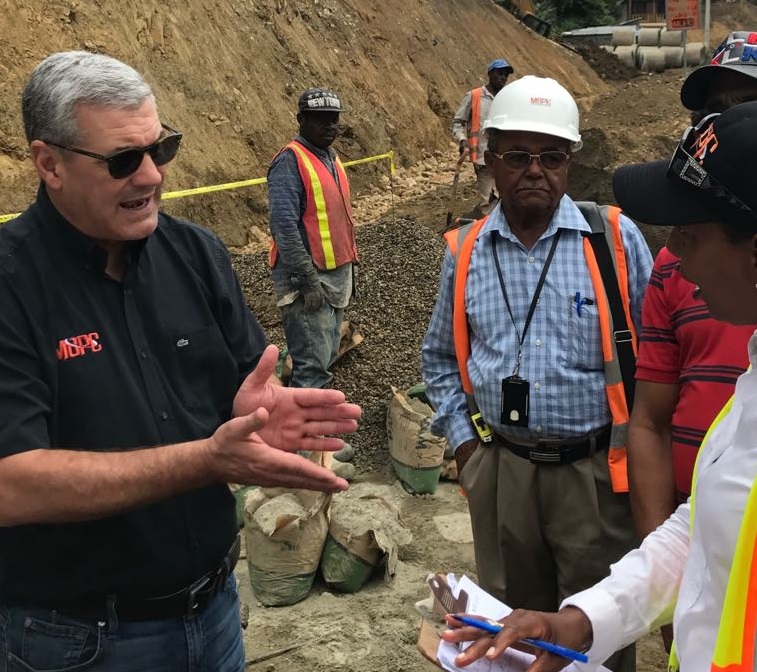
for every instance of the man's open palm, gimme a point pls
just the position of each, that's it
(299, 418)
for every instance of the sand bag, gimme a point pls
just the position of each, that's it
(365, 530)
(240, 492)
(284, 533)
(416, 454)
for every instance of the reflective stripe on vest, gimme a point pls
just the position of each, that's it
(328, 213)
(461, 243)
(475, 122)
(616, 394)
(734, 645)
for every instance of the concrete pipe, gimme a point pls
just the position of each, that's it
(627, 55)
(652, 60)
(623, 37)
(649, 37)
(607, 47)
(673, 57)
(695, 53)
(671, 38)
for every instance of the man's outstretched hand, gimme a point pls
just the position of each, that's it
(236, 453)
(299, 418)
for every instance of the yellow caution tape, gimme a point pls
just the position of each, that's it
(244, 183)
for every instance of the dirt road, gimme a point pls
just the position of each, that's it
(375, 629)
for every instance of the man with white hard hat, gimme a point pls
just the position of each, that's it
(526, 361)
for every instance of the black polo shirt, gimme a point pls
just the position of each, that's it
(88, 363)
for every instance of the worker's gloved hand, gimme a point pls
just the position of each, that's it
(313, 299)
(463, 146)
(463, 454)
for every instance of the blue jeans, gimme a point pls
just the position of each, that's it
(33, 639)
(313, 342)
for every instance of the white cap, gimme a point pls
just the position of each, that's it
(537, 105)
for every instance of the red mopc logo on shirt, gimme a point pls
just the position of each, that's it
(78, 346)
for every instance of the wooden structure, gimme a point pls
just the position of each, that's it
(644, 11)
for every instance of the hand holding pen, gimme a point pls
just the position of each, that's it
(521, 629)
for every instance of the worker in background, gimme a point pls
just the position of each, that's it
(547, 494)
(135, 383)
(688, 362)
(314, 249)
(468, 132)
(698, 568)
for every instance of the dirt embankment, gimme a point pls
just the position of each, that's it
(228, 75)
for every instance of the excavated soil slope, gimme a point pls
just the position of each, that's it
(228, 75)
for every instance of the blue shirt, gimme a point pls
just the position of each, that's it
(562, 350)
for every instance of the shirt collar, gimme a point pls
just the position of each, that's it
(328, 153)
(74, 241)
(567, 216)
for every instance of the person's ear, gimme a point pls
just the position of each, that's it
(48, 163)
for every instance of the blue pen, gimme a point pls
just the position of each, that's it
(578, 303)
(495, 628)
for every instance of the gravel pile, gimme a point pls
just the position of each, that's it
(397, 287)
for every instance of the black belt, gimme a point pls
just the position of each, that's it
(185, 602)
(559, 451)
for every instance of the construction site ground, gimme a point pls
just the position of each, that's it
(228, 75)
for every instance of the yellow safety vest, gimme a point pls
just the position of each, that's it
(327, 219)
(734, 645)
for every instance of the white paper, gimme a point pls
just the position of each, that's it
(483, 604)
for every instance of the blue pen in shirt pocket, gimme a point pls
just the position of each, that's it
(578, 302)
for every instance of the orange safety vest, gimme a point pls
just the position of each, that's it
(327, 220)
(734, 645)
(475, 122)
(461, 242)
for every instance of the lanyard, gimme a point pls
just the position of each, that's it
(534, 299)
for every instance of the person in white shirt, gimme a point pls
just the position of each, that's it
(682, 570)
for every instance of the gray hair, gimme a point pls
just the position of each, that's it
(68, 79)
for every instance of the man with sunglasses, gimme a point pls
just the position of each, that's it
(541, 477)
(314, 253)
(134, 385)
(688, 362)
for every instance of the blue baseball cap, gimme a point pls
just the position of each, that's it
(499, 64)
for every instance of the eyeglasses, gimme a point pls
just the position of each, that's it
(518, 160)
(688, 168)
(126, 162)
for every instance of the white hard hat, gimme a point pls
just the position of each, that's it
(538, 105)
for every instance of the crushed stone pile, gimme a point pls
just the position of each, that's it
(397, 286)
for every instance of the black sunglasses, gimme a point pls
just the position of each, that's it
(126, 162)
(686, 168)
(518, 160)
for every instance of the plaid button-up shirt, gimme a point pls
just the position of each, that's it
(562, 351)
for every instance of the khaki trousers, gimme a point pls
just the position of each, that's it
(544, 532)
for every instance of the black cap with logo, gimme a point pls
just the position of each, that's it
(710, 177)
(319, 100)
